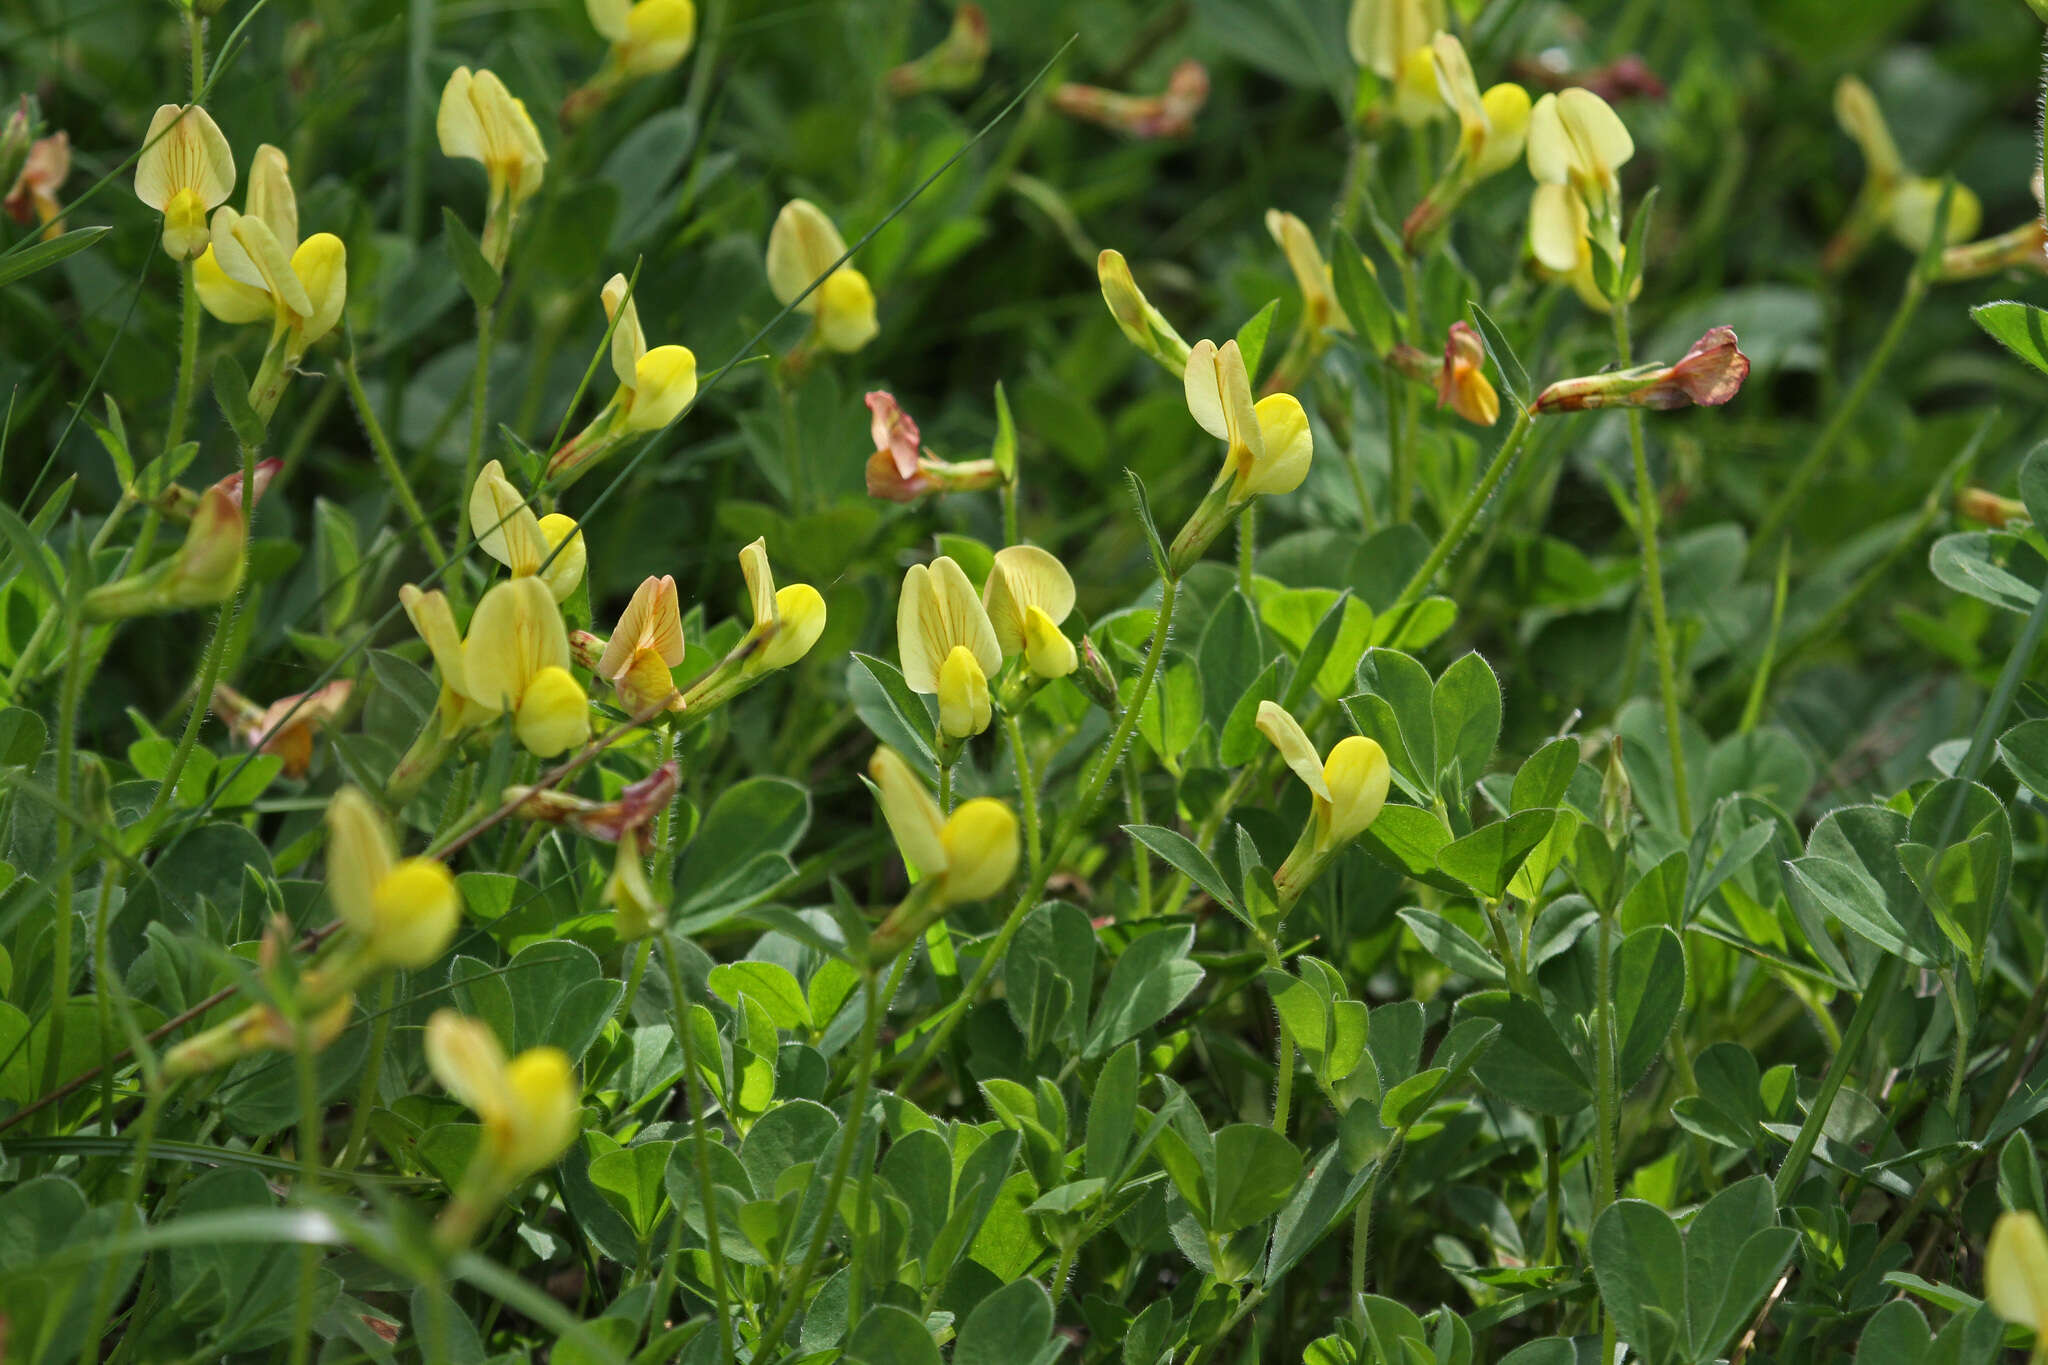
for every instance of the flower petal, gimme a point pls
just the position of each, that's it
(913, 816)
(1286, 734)
(1024, 576)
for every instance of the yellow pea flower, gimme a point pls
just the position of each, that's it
(647, 38)
(947, 645)
(1319, 307)
(804, 245)
(2016, 1276)
(1135, 316)
(1492, 133)
(790, 619)
(507, 530)
(1269, 445)
(1462, 385)
(1576, 145)
(1029, 593)
(432, 617)
(787, 622)
(653, 385)
(403, 911)
(647, 643)
(1350, 788)
(480, 120)
(207, 567)
(186, 170)
(260, 1028)
(516, 659)
(1892, 198)
(968, 856)
(1390, 38)
(531, 1108)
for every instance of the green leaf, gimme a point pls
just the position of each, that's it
(1230, 657)
(1465, 714)
(888, 1335)
(1009, 1327)
(1251, 338)
(1488, 858)
(1004, 451)
(1649, 989)
(1993, 566)
(479, 277)
(770, 984)
(632, 1179)
(1144, 506)
(1048, 973)
(1397, 709)
(20, 264)
(1360, 295)
(1151, 978)
(231, 391)
(1112, 1113)
(1529, 1063)
(1180, 852)
(892, 712)
(1256, 1170)
(1514, 378)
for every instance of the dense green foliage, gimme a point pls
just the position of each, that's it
(1686, 994)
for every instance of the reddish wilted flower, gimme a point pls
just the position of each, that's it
(286, 727)
(635, 807)
(34, 195)
(954, 64)
(1171, 114)
(1461, 385)
(1981, 504)
(1708, 375)
(900, 471)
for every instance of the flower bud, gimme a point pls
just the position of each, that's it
(955, 64)
(1135, 316)
(1094, 676)
(628, 892)
(16, 135)
(1170, 114)
(1981, 504)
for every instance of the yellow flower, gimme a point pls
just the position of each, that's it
(1390, 38)
(791, 619)
(1349, 789)
(1576, 146)
(802, 247)
(969, 856)
(1492, 128)
(1461, 385)
(185, 171)
(1135, 316)
(2016, 1275)
(647, 38)
(479, 119)
(255, 268)
(1913, 205)
(507, 530)
(516, 659)
(1311, 273)
(530, 1106)
(646, 645)
(947, 645)
(1269, 442)
(435, 621)
(404, 911)
(653, 385)
(1029, 593)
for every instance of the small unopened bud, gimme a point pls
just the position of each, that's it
(954, 64)
(1710, 374)
(1981, 504)
(1461, 385)
(33, 195)
(1616, 795)
(1135, 316)
(640, 911)
(15, 136)
(1094, 676)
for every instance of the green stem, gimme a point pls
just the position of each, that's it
(1809, 468)
(1010, 536)
(309, 1176)
(1247, 548)
(1962, 1063)
(188, 351)
(945, 788)
(61, 927)
(1027, 793)
(863, 1190)
(366, 1098)
(1553, 1190)
(1461, 521)
(401, 487)
(1884, 983)
(1361, 1230)
(1141, 860)
(1653, 584)
(138, 1169)
(195, 30)
(480, 397)
(842, 1162)
(701, 1156)
(102, 975)
(1082, 809)
(1603, 1067)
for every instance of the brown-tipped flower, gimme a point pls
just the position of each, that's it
(954, 64)
(635, 807)
(206, 569)
(33, 197)
(1708, 375)
(1461, 385)
(1169, 114)
(900, 471)
(286, 727)
(15, 136)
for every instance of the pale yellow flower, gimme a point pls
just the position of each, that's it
(404, 911)
(802, 247)
(1029, 593)
(186, 170)
(947, 645)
